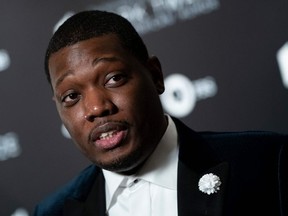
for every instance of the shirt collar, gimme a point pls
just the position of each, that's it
(159, 169)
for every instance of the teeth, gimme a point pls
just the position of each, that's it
(106, 135)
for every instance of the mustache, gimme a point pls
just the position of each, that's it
(105, 126)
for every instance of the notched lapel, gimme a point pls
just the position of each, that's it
(88, 205)
(197, 158)
(73, 208)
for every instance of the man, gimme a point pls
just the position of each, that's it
(106, 88)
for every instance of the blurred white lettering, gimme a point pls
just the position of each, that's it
(4, 60)
(151, 15)
(20, 212)
(282, 58)
(9, 146)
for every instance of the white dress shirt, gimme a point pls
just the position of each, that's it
(153, 190)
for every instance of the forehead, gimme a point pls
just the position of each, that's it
(97, 47)
(101, 44)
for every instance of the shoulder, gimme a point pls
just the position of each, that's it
(77, 188)
(234, 143)
(249, 148)
(260, 141)
(250, 137)
(235, 137)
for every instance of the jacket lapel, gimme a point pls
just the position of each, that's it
(73, 207)
(191, 201)
(88, 203)
(196, 158)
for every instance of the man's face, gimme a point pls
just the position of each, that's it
(108, 101)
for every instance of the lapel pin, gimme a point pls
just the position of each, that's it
(209, 183)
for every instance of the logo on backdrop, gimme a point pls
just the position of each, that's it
(282, 58)
(20, 212)
(4, 60)
(65, 132)
(151, 15)
(181, 94)
(9, 146)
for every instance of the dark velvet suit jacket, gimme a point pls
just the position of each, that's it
(252, 166)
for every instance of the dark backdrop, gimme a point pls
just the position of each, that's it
(225, 55)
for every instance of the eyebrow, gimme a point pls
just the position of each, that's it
(109, 59)
(62, 77)
(94, 62)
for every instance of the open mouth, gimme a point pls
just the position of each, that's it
(109, 135)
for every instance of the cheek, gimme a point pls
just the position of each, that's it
(139, 108)
(73, 121)
(131, 101)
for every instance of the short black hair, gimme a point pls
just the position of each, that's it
(94, 23)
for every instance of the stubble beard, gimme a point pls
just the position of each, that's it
(127, 165)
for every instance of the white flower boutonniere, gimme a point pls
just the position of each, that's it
(209, 183)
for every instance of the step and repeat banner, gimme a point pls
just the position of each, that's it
(225, 64)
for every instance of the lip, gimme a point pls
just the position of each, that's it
(118, 130)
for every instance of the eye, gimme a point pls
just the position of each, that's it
(115, 80)
(70, 99)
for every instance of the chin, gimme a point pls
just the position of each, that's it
(128, 164)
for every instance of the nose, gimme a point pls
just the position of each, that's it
(98, 104)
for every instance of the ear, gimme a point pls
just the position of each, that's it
(155, 69)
